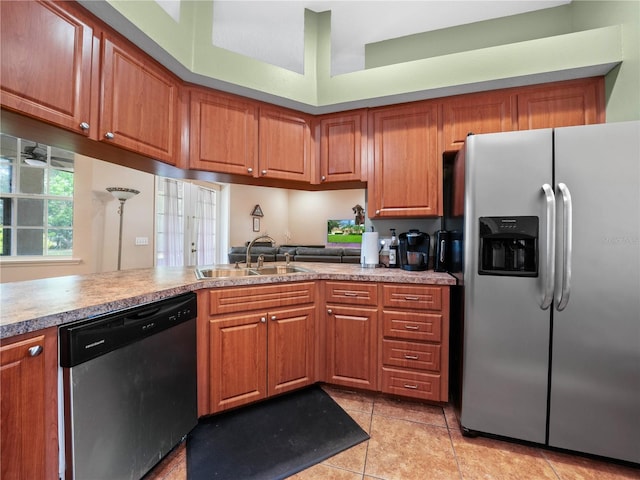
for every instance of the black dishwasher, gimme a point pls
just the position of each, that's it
(129, 381)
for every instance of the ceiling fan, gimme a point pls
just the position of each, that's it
(36, 155)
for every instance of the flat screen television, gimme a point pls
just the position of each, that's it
(344, 232)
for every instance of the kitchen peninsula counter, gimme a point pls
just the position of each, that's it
(37, 304)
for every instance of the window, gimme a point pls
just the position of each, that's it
(186, 223)
(36, 199)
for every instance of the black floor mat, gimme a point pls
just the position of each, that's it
(271, 440)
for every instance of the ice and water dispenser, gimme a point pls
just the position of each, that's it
(508, 246)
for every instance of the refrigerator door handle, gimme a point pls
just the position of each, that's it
(551, 247)
(567, 226)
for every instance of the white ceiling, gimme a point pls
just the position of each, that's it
(273, 30)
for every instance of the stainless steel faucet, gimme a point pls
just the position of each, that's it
(250, 246)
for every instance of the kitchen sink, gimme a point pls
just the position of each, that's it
(226, 272)
(282, 269)
(203, 273)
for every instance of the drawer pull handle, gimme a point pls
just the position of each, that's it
(350, 294)
(412, 299)
(35, 351)
(412, 327)
(412, 387)
(411, 357)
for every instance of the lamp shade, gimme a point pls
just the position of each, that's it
(121, 193)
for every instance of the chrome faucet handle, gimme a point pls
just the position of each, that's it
(287, 258)
(260, 261)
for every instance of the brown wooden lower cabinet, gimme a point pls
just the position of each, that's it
(262, 350)
(28, 406)
(266, 340)
(352, 346)
(414, 360)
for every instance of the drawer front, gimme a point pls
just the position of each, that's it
(243, 299)
(412, 384)
(412, 296)
(425, 327)
(351, 293)
(420, 356)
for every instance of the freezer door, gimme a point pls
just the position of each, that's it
(506, 332)
(595, 379)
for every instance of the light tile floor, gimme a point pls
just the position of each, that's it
(416, 441)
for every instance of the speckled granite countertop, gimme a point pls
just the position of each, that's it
(36, 304)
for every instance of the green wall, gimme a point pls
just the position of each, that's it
(580, 39)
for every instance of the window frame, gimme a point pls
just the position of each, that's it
(15, 195)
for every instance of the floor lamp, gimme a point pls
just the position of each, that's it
(122, 194)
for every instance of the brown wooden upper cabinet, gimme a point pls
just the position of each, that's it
(46, 63)
(139, 104)
(405, 181)
(578, 102)
(223, 133)
(486, 112)
(342, 143)
(284, 144)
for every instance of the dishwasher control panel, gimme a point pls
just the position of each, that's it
(87, 339)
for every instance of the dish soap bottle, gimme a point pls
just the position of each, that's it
(393, 250)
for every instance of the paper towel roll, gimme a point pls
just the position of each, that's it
(369, 250)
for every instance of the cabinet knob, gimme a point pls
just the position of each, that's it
(249, 170)
(329, 311)
(35, 351)
(273, 317)
(264, 172)
(109, 136)
(84, 126)
(323, 178)
(263, 319)
(377, 212)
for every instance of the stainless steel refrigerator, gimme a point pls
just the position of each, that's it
(551, 333)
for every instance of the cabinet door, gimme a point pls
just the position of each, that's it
(290, 349)
(28, 372)
(406, 164)
(140, 103)
(478, 113)
(46, 62)
(237, 360)
(352, 346)
(284, 145)
(224, 134)
(342, 147)
(579, 102)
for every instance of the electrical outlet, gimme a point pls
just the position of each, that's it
(142, 240)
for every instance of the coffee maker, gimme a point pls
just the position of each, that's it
(413, 250)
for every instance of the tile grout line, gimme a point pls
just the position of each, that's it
(546, 459)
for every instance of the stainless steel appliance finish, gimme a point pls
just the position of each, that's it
(130, 388)
(555, 358)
